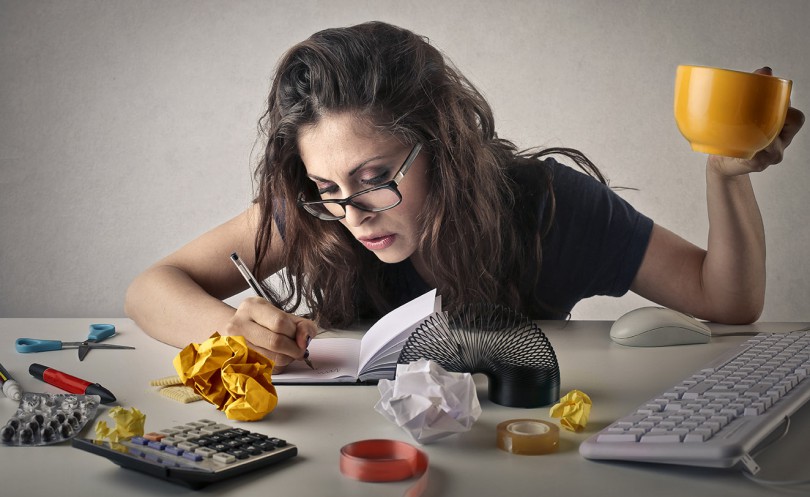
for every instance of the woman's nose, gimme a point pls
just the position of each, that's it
(355, 216)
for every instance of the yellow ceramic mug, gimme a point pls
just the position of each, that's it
(731, 113)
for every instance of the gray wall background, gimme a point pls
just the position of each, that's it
(128, 127)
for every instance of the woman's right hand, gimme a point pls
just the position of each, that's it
(280, 336)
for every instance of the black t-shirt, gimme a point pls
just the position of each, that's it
(594, 247)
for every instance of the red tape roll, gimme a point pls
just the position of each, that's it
(385, 460)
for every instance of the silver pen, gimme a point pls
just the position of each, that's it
(254, 284)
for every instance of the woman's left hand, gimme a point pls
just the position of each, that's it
(772, 154)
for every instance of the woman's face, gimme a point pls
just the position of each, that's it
(344, 155)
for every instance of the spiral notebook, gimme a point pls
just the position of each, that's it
(370, 358)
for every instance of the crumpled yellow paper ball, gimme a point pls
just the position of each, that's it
(128, 423)
(230, 375)
(573, 410)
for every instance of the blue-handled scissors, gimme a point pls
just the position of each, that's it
(98, 332)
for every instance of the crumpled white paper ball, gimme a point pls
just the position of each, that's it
(429, 402)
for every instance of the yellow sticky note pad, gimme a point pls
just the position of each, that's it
(230, 375)
(573, 410)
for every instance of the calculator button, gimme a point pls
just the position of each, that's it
(211, 429)
(136, 452)
(153, 456)
(205, 441)
(176, 451)
(239, 454)
(266, 446)
(192, 456)
(229, 434)
(205, 451)
(278, 442)
(224, 458)
(154, 436)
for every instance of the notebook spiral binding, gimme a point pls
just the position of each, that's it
(510, 349)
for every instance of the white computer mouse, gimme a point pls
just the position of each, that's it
(658, 327)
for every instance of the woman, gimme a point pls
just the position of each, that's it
(383, 176)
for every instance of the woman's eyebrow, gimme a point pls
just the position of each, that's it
(352, 171)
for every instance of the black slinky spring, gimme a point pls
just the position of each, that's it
(510, 349)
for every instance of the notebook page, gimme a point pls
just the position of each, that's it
(335, 360)
(396, 325)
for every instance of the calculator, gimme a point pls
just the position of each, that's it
(194, 454)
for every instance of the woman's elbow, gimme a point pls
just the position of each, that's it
(131, 297)
(739, 312)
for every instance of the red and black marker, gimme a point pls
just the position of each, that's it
(70, 383)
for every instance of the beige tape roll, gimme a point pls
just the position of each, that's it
(528, 436)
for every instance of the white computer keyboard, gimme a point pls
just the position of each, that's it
(717, 416)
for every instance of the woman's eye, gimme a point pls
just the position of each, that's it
(377, 180)
(327, 190)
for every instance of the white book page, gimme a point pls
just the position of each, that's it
(386, 359)
(334, 359)
(400, 321)
(396, 345)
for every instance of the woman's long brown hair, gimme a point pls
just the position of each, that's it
(396, 81)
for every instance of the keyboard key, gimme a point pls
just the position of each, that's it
(697, 390)
(757, 390)
(754, 410)
(617, 437)
(695, 437)
(660, 438)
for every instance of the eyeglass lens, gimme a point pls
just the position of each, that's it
(372, 200)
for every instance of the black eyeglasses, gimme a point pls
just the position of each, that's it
(375, 199)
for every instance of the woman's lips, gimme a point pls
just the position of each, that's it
(378, 243)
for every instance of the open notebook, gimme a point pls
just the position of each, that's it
(373, 357)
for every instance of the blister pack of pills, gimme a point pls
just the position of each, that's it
(44, 419)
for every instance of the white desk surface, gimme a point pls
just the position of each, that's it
(321, 419)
